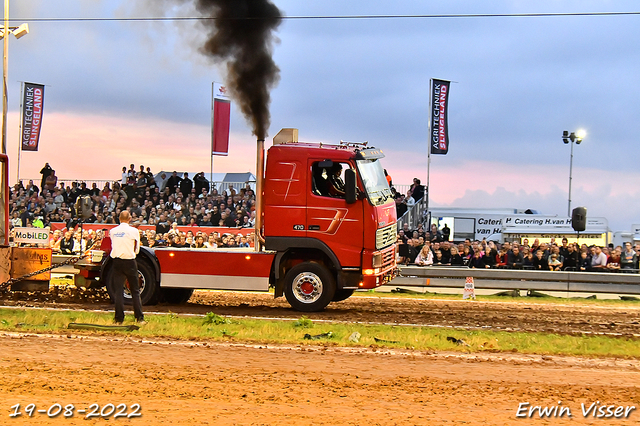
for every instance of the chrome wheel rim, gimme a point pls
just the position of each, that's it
(307, 287)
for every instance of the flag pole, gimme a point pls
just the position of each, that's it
(212, 136)
(429, 138)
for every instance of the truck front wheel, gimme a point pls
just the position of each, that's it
(309, 287)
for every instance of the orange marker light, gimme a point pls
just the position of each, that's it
(247, 257)
(171, 254)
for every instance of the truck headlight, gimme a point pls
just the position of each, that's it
(377, 260)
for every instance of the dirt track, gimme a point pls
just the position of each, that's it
(191, 384)
(510, 315)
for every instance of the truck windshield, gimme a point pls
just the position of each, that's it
(374, 181)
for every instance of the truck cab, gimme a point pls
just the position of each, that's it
(330, 216)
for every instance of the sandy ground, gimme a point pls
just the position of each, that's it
(195, 383)
(221, 384)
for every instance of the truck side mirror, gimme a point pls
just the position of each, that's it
(350, 186)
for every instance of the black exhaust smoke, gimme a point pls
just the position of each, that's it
(241, 34)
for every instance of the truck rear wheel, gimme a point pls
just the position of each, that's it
(149, 289)
(309, 287)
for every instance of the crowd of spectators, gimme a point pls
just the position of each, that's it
(432, 247)
(180, 200)
(173, 201)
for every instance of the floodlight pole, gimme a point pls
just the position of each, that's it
(574, 137)
(570, 176)
(5, 72)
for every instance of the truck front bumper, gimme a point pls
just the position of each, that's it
(383, 267)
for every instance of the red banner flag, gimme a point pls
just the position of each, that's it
(32, 105)
(221, 118)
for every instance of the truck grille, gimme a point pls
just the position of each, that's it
(386, 236)
(388, 258)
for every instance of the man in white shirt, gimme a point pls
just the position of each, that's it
(125, 245)
(125, 175)
(409, 201)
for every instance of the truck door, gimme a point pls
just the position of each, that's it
(329, 217)
(285, 198)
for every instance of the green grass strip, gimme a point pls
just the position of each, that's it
(212, 327)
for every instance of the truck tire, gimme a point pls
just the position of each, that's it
(309, 287)
(176, 296)
(342, 295)
(149, 289)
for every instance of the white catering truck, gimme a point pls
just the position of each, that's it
(515, 225)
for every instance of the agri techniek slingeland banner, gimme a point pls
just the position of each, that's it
(439, 139)
(32, 106)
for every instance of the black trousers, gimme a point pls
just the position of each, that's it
(126, 269)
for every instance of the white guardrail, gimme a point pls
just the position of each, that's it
(512, 279)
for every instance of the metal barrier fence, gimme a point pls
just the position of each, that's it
(402, 189)
(414, 215)
(512, 279)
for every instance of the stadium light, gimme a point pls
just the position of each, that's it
(571, 138)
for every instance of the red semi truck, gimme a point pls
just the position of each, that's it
(326, 226)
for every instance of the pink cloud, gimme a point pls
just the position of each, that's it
(483, 184)
(97, 147)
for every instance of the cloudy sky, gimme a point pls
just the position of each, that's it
(121, 92)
